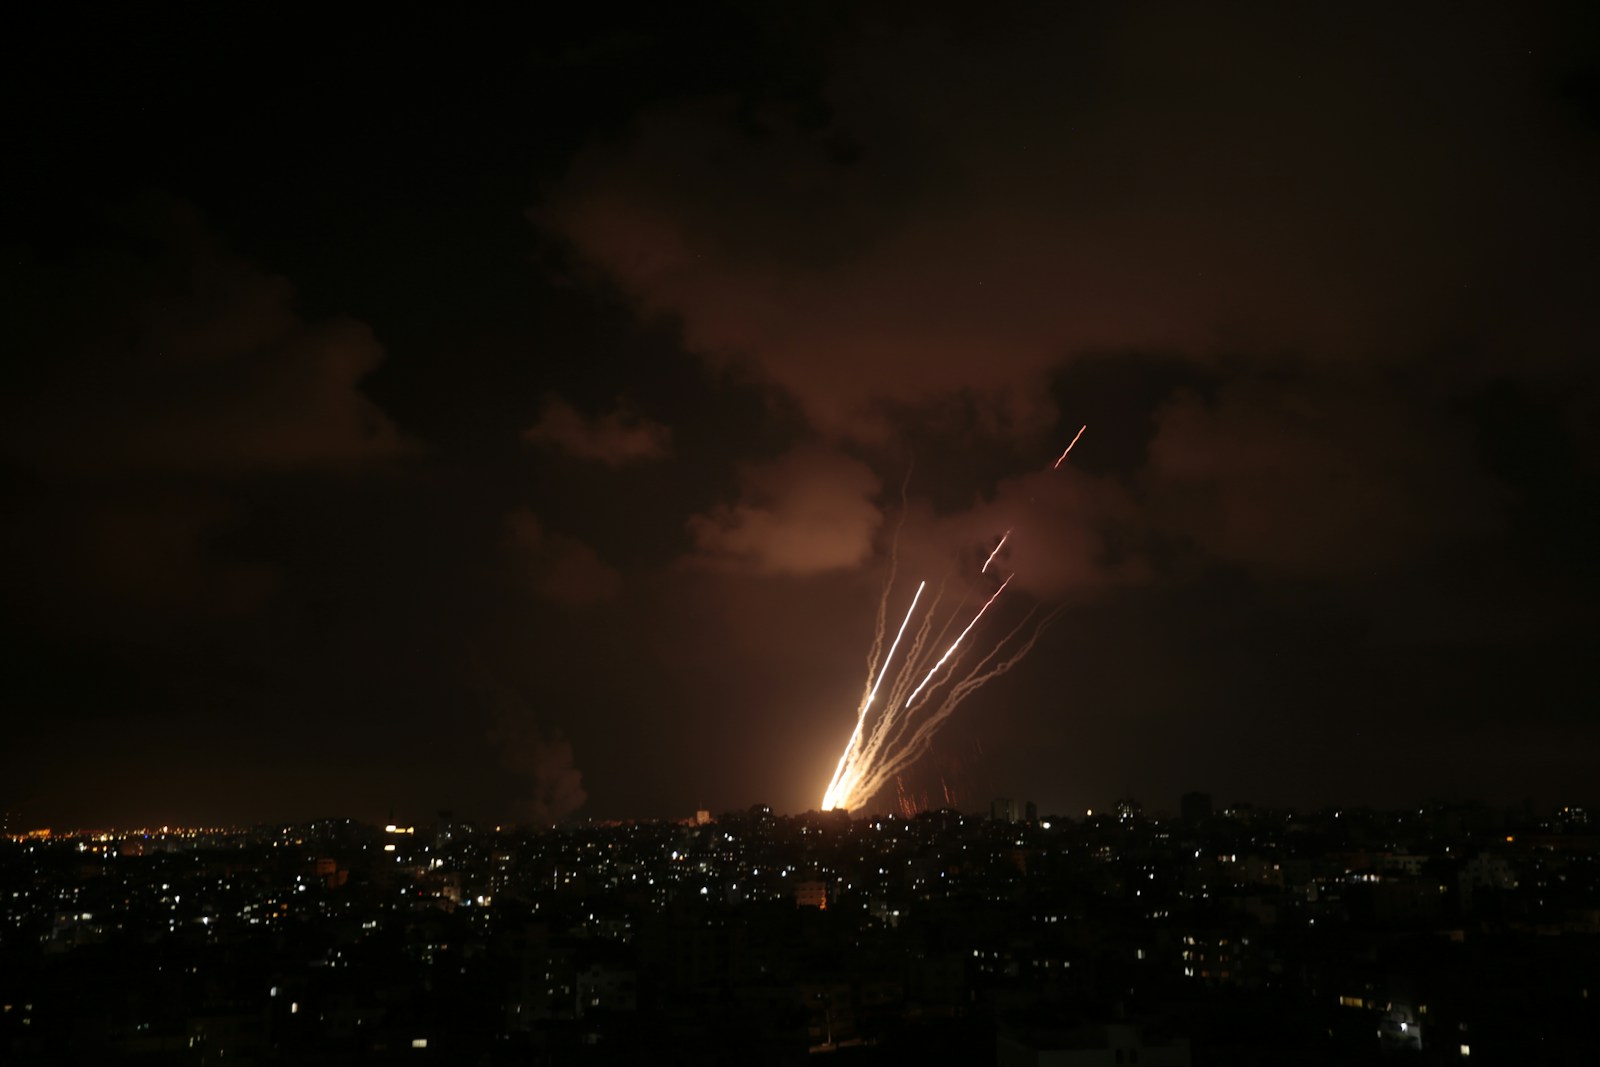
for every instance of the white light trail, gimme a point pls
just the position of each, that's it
(902, 632)
(861, 715)
(1057, 464)
(883, 745)
(996, 552)
(957, 643)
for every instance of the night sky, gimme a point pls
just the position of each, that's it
(511, 416)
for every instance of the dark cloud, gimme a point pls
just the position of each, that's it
(164, 354)
(979, 208)
(616, 438)
(145, 565)
(1322, 477)
(1067, 535)
(550, 786)
(1314, 239)
(159, 374)
(810, 511)
(555, 567)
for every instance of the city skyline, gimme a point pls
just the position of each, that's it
(523, 416)
(1222, 936)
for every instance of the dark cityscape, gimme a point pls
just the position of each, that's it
(1226, 935)
(547, 534)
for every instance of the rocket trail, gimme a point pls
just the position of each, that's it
(861, 716)
(878, 748)
(1057, 464)
(892, 734)
(996, 552)
(903, 623)
(958, 641)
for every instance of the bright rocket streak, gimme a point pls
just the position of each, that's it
(987, 670)
(874, 755)
(1057, 464)
(861, 762)
(890, 657)
(985, 568)
(895, 741)
(954, 644)
(861, 717)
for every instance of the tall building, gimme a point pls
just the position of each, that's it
(812, 893)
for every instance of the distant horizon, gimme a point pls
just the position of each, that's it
(578, 819)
